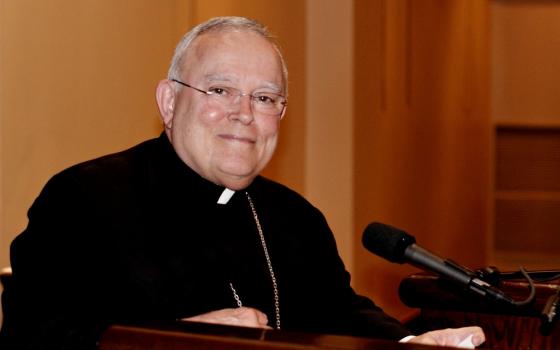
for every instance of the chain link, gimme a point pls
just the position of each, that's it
(235, 296)
(268, 262)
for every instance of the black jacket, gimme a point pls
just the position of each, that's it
(138, 236)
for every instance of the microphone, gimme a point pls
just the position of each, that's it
(398, 246)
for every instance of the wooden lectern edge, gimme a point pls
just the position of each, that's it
(201, 336)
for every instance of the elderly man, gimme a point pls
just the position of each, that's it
(183, 226)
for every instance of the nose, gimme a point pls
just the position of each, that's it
(242, 109)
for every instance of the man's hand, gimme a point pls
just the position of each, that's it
(241, 316)
(466, 337)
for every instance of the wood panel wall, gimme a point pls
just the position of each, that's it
(526, 125)
(421, 132)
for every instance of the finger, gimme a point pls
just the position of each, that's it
(425, 339)
(478, 336)
(262, 319)
(243, 316)
(475, 334)
(455, 336)
(250, 317)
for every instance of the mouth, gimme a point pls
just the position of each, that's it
(234, 138)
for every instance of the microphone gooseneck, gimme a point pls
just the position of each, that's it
(398, 246)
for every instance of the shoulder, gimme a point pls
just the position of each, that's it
(113, 173)
(111, 168)
(289, 210)
(280, 195)
(112, 164)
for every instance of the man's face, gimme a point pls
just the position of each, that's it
(228, 145)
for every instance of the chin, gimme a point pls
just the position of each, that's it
(238, 184)
(238, 172)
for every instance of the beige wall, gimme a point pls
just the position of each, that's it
(77, 81)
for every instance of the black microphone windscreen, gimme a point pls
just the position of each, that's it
(387, 241)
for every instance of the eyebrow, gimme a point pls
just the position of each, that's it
(229, 79)
(218, 77)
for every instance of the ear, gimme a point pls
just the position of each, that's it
(165, 97)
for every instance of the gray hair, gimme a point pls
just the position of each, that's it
(218, 24)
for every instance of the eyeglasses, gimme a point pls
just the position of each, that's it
(266, 103)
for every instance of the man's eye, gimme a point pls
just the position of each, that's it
(218, 90)
(265, 99)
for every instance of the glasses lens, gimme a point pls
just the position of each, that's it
(266, 103)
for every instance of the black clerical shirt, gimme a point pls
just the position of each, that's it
(138, 236)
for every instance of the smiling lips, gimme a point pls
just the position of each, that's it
(230, 137)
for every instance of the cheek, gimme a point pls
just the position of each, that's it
(269, 134)
(210, 116)
(202, 123)
(199, 113)
(269, 128)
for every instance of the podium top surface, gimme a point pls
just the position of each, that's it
(200, 336)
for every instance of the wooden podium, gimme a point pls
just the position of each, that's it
(443, 305)
(199, 336)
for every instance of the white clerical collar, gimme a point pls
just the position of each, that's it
(225, 196)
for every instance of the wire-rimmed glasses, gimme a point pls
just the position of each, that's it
(262, 102)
